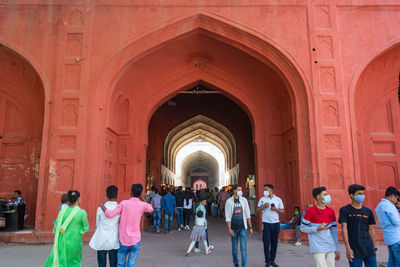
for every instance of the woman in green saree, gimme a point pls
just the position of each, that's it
(70, 225)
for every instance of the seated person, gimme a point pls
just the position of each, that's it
(18, 200)
(294, 223)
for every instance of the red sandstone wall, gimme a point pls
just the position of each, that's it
(74, 48)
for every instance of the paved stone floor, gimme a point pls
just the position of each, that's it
(168, 251)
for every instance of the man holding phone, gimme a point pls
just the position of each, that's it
(320, 224)
(270, 206)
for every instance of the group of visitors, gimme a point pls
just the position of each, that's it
(118, 225)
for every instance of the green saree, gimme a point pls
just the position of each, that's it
(70, 225)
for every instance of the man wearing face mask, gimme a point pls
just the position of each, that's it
(389, 219)
(238, 220)
(358, 229)
(320, 224)
(270, 206)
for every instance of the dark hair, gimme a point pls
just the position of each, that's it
(18, 192)
(235, 186)
(202, 199)
(318, 190)
(199, 214)
(168, 190)
(112, 192)
(156, 190)
(136, 190)
(64, 198)
(298, 208)
(269, 186)
(180, 188)
(392, 191)
(354, 188)
(73, 196)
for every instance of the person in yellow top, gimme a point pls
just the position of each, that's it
(70, 225)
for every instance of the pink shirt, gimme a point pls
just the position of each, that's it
(129, 224)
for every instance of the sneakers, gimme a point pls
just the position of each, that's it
(211, 247)
(181, 226)
(187, 227)
(297, 244)
(179, 229)
(196, 250)
(208, 252)
(273, 264)
(158, 230)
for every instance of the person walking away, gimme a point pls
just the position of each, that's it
(389, 220)
(187, 208)
(199, 233)
(294, 223)
(358, 229)
(131, 213)
(70, 225)
(238, 220)
(271, 206)
(105, 239)
(156, 204)
(202, 207)
(222, 197)
(319, 223)
(168, 207)
(179, 197)
(214, 206)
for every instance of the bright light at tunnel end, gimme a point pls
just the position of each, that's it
(206, 147)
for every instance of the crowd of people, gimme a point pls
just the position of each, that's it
(118, 232)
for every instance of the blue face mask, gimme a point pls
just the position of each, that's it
(360, 199)
(327, 199)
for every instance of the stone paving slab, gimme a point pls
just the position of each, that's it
(161, 250)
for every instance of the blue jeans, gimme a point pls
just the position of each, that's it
(168, 222)
(179, 216)
(123, 252)
(394, 255)
(368, 261)
(102, 257)
(157, 218)
(242, 235)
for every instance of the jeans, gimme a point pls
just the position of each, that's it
(179, 217)
(368, 261)
(187, 213)
(297, 232)
(270, 240)
(157, 218)
(394, 255)
(208, 243)
(284, 226)
(102, 257)
(242, 235)
(168, 222)
(123, 252)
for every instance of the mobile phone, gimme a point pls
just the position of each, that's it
(325, 224)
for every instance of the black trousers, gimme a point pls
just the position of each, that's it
(102, 257)
(187, 213)
(270, 240)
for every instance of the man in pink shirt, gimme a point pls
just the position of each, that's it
(131, 212)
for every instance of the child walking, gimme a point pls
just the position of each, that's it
(199, 232)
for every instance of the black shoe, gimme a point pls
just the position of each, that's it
(273, 264)
(267, 264)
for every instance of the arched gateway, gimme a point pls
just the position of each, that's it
(242, 65)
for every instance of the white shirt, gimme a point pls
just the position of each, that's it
(268, 215)
(106, 235)
(187, 204)
(200, 221)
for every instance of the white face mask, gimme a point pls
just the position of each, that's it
(239, 193)
(266, 193)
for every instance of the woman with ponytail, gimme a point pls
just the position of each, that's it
(69, 227)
